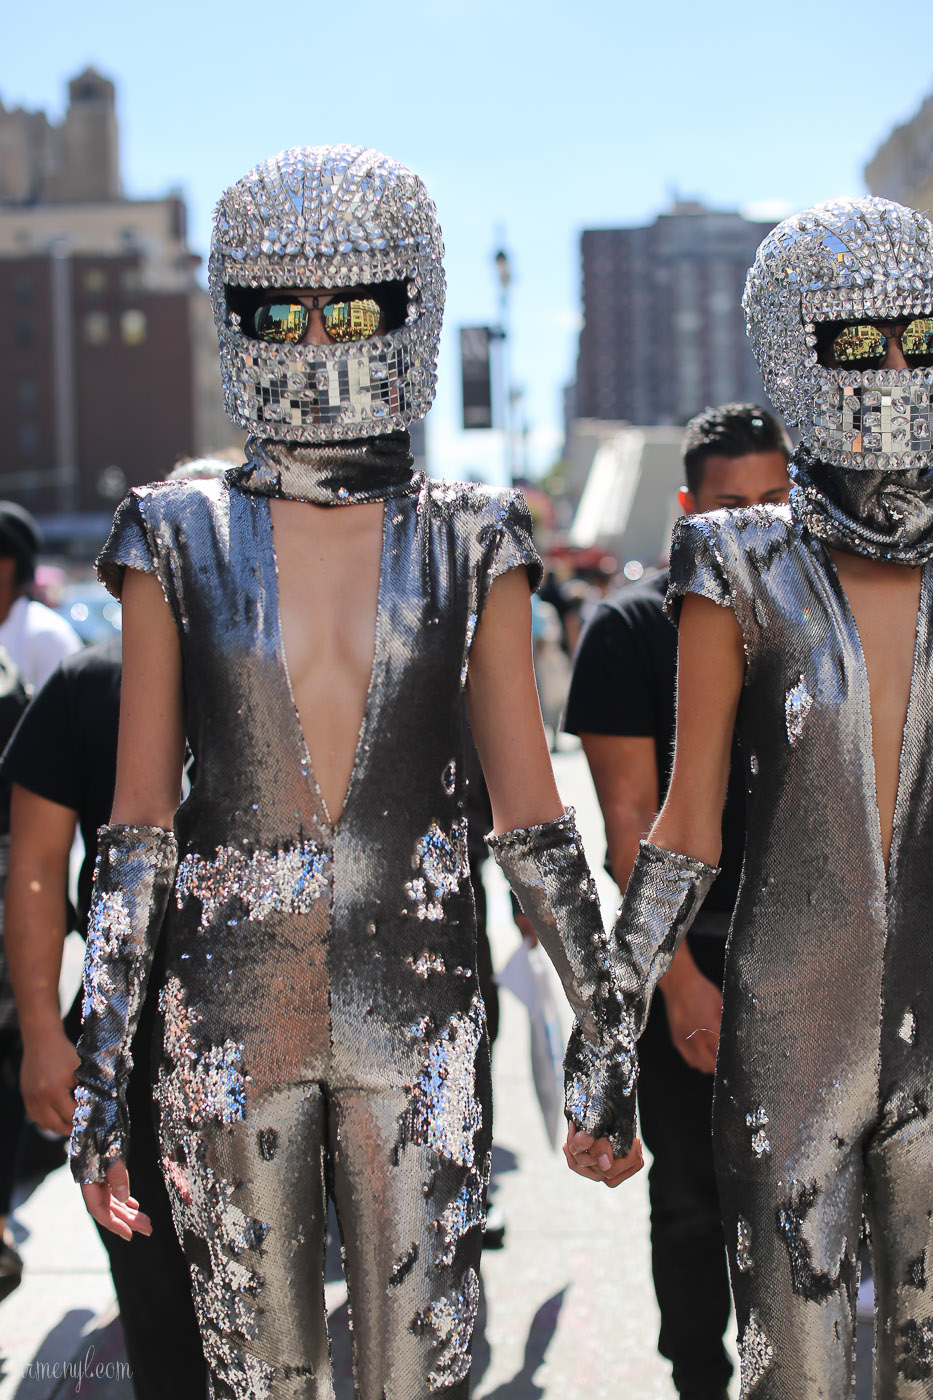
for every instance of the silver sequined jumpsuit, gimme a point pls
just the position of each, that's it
(825, 1076)
(323, 1029)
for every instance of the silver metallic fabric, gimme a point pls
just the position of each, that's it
(345, 473)
(322, 1029)
(881, 515)
(328, 216)
(132, 886)
(848, 260)
(661, 901)
(823, 1096)
(548, 872)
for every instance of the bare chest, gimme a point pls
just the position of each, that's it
(329, 562)
(884, 600)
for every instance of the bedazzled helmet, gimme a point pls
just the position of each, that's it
(328, 216)
(848, 260)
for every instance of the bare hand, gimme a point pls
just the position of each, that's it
(523, 924)
(694, 1014)
(112, 1206)
(47, 1081)
(594, 1159)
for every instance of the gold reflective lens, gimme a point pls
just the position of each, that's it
(858, 345)
(352, 320)
(917, 341)
(283, 322)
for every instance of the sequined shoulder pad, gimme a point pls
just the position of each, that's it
(721, 554)
(143, 525)
(493, 526)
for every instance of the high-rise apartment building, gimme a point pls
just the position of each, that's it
(108, 360)
(664, 332)
(902, 166)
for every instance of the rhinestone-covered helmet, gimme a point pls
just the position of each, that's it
(328, 216)
(848, 260)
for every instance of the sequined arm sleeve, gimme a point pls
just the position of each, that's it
(548, 872)
(132, 884)
(128, 546)
(662, 898)
(512, 544)
(608, 982)
(697, 565)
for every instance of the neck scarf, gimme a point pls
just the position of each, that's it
(885, 515)
(330, 474)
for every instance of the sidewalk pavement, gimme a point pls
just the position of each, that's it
(568, 1307)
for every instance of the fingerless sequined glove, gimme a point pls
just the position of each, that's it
(548, 872)
(132, 884)
(661, 901)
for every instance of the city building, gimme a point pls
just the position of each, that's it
(902, 166)
(108, 357)
(663, 333)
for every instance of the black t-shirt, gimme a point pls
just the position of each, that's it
(624, 683)
(65, 746)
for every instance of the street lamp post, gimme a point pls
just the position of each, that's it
(504, 274)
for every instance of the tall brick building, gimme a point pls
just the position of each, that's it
(664, 333)
(108, 361)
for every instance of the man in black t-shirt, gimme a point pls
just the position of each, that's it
(622, 705)
(62, 764)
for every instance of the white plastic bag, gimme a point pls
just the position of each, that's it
(526, 976)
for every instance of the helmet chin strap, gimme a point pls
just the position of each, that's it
(884, 515)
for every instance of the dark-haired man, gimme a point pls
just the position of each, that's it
(622, 706)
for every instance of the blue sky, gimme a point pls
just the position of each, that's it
(537, 119)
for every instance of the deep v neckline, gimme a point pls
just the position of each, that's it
(921, 645)
(375, 675)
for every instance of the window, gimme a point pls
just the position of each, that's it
(28, 439)
(95, 281)
(24, 289)
(24, 334)
(133, 327)
(96, 328)
(27, 394)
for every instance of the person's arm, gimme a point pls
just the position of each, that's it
(625, 775)
(624, 769)
(710, 673)
(151, 746)
(505, 718)
(139, 856)
(41, 834)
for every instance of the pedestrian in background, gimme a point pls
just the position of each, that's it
(61, 764)
(13, 701)
(34, 636)
(33, 639)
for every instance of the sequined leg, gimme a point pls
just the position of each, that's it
(899, 1173)
(788, 1142)
(793, 1262)
(411, 1216)
(249, 1205)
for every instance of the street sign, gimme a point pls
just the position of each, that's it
(476, 376)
